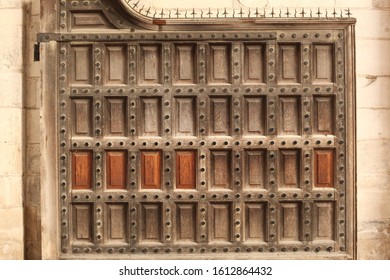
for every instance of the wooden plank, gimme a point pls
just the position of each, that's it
(290, 168)
(116, 162)
(220, 222)
(151, 169)
(115, 116)
(81, 66)
(290, 221)
(324, 168)
(255, 168)
(185, 122)
(323, 220)
(323, 115)
(116, 222)
(82, 117)
(186, 169)
(220, 116)
(254, 122)
(289, 115)
(150, 116)
(82, 170)
(323, 64)
(220, 169)
(151, 222)
(219, 64)
(186, 221)
(255, 222)
(82, 222)
(185, 64)
(254, 64)
(150, 65)
(115, 65)
(289, 63)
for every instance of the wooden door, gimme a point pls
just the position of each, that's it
(216, 142)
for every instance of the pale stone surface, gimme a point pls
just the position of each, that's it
(372, 57)
(354, 3)
(374, 249)
(32, 126)
(11, 3)
(33, 155)
(373, 123)
(11, 159)
(373, 92)
(11, 251)
(373, 157)
(11, 87)
(10, 125)
(302, 3)
(381, 3)
(11, 224)
(377, 27)
(11, 191)
(33, 85)
(373, 204)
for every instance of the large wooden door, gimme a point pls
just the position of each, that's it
(203, 142)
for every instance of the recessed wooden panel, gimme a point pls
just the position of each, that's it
(89, 20)
(289, 115)
(116, 222)
(290, 221)
(150, 117)
(219, 64)
(323, 115)
(290, 162)
(255, 168)
(220, 169)
(82, 170)
(115, 118)
(116, 162)
(323, 221)
(255, 115)
(289, 63)
(323, 168)
(82, 117)
(115, 68)
(185, 169)
(220, 226)
(82, 216)
(185, 64)
(186, 221)
(151, 169)
(185, 121)
(151, 222)
(254, 64)
(220, 115)
(150, 67)
(81, 66)
(255, 222)
(323, 61)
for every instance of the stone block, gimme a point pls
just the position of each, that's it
(372, 23)
(373, 92)
(32, 126)
(373, 158)
(11, 159)
(33, 87)
(372, 57)
(11, 250)
(31, 223)
(373, 123)
(381, 4)
(374, 229)
(373, 205)
(11, 224)
(33, 158)
(32, 190)
(11, 89)
(373, 249)
(11, 125)
(11, 188)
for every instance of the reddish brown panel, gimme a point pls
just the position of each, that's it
(150, 65)
(289, 115)
(255, 116)
(219, 64)
(220, 114)
(82, 216)
(185, 169)
(82, 117)
(116, 222)
(150, 117)
(185, 64)
(255, 222)
(323, 168)
(116, 162)
(151, 222)
(323, 115)
(254, 64)
(289, 63)
(81, 66)
(290, 221)
(323, 61)
(220, 169)
(186, 220)
(115, 117)
(290, 162)
(115, 70)
(323, 220)
(82, 170)
(185, 116)
(220, 225)
(255, 168)
(151, 169)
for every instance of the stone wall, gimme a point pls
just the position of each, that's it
(20, 227)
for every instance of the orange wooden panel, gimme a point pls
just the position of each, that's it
(82, 170)
(186, 169)
(324, 168)
(116, 169)
(151, 169)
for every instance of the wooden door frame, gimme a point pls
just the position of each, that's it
(50, 185)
